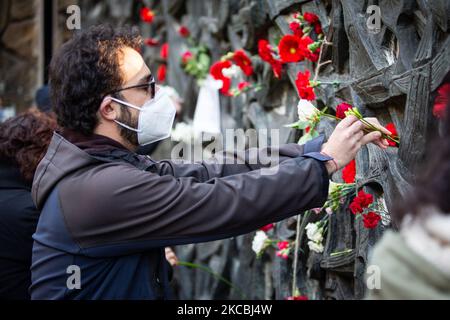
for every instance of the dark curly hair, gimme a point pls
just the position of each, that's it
(84, 70)
(432, 187)
(24, 140)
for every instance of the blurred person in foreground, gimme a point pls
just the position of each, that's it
(23, 143)
(415, 261)
(108, 213)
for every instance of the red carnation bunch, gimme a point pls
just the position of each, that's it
(349, 172)
(441, 101)
(360, 202)
(216, 72)
(243, 61)
(265, 52)
(303, 84)
(147, 15)
(391, 127)
(341, 108)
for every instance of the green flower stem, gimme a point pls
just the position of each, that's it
(214, 274)
(369, 127)
(334, 254)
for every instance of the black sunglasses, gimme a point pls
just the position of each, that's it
(151, 85)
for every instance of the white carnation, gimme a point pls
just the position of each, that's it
(316, 247)
(259, 241)
(231, 71)
(306, 110)
(313, 232)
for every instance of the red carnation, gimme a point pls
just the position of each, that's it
(391, 127)
(310, 17)
(341, 108)
(355, 207)
(147, 15)
(366, 199)
(349, 172)
(277, 67)
(265, 51)
(243, 61)
(216, 72)
(441, 101)
(151, 42)
(267, 227)
(184, 31)
(282, 245)
(296, 28)
(371, 220)
(290, 48)
(164, 53)
(161, 73)
(318, 28)
(304, 89)
(186, 57)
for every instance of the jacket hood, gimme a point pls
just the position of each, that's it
(61, 159)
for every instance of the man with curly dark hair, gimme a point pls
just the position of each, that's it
(107, 213)
(23, 142)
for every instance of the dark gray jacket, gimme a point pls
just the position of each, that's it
(113, 219)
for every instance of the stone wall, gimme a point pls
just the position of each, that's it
(21, 69)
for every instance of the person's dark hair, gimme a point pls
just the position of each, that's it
(432, 187)
(84, 70)
(24, 140)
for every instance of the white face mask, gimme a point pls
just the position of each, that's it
(156, 117)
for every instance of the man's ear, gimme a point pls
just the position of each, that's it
(107, 110)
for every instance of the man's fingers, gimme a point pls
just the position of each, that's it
(376, 123)
(347, 121)
(371, 137)
(356, 127)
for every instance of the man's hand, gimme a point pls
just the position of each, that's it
(348, 138)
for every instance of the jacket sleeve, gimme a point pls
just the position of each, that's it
(125, 210)
(226, 163)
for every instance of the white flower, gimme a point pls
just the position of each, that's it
(313, 232)
(259, 241)
(182, 132)
(231, 71)
(306, 110)
(316, 247)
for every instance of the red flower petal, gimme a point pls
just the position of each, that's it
(391, 127)
(290, 49)
(267, 227)
(186, 57)
(349, 172)
(243, 61)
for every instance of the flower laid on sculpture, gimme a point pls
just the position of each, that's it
(234, 65)
(195, 60)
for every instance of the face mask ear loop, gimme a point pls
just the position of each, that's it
(125, 103)
(127, 127)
